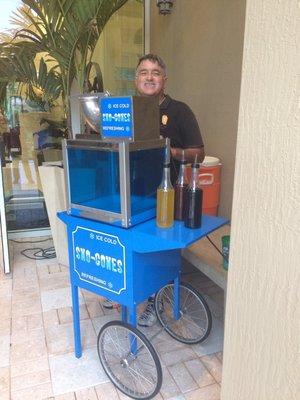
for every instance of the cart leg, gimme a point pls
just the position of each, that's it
(132, 315)
(176, 310)
(124, 313)
(132, 321)
(76, 322)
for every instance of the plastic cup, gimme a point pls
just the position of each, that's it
(225, 250)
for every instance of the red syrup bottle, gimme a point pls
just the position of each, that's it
(180, 189)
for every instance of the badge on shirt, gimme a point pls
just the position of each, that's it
(164, 119)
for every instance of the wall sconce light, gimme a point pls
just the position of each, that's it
(165, 6)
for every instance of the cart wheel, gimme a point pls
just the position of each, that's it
(129, 360)
(194, 323)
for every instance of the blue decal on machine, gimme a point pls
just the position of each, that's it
(99, 259)
(116, 117)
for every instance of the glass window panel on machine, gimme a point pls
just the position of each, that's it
(112, 176)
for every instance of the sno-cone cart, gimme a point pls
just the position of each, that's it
(127, 266)
(115, 248)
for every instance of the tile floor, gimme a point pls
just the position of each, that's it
(36, 340)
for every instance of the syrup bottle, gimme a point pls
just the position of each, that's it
(165, 196)
(194, 196)
(180, 191)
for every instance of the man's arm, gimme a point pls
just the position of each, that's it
(189, 154)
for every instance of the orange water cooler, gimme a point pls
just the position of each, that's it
(210, 181)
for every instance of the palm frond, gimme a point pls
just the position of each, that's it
(66, 33)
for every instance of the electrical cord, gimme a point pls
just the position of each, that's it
(218, 250)
(216, 247)
(38, 252)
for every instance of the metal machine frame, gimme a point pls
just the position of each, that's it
(123, 147)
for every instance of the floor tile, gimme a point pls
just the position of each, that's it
(43, 271)
(165, 345)
(90, 296)
(4, 379)
(211, 392)
(50, 318)
(26, 305)
(39, 392)
(34, 322)
(100, 321)
(94, 309)
(216, 310)
(214, 366)
(5, 307)
(19, 369)
(20, 336)
(67, 396)
(29, 380)
(214, 342)
(159, 336)
(106, 391)
(5, 288)
(5, 395)
(176, 356)
(70, 374)
(28, 350)
(65, 314)
(49, 261)
(169, 388)
(26, 324)
(23, 289)
(86, 394)
(54, 281)
(182, 377)
(220, 356)
(123, 396)
(60, 338)
(57, 298)
(218, 298)
(54, 269)
(4, 350)
(199, 372)
(37, 318)
(5, 326)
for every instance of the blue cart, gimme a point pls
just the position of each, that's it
(128, 266)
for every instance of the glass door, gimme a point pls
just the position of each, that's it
(119, 47)
(4, 250)
(25, 140)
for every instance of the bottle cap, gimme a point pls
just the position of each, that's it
(195, 165)
(167, 165)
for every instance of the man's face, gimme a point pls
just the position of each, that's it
(150, 79)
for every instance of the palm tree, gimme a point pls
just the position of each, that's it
(40, 83)
(66, 33)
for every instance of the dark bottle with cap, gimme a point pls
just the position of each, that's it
(180, 188)
(194, 196)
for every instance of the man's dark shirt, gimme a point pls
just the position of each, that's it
(178, 122)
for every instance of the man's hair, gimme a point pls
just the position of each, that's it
(155, 59)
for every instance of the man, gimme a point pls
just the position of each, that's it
(178, 123)
(177, 120)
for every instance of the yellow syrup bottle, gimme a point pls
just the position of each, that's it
(165, 200)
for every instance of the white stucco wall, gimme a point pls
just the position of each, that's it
(201, 42)
(262, 329)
